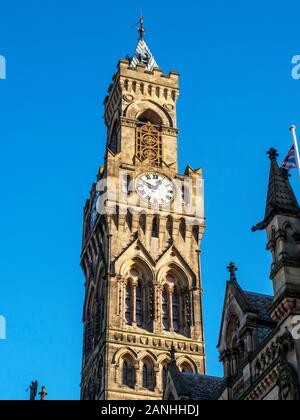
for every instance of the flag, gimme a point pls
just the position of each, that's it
(289, 162)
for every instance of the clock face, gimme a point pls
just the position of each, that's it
(155, 189)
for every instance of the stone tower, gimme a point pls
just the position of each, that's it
(282, 225)
(143, 226)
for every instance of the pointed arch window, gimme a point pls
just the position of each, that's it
(143, 223)
(175, 300)
(165, 310)
(155, 227)
(196, 233)
(148, 376)
(116, 217)
(128, 296)
(149, 139)
(128, 374)
(170, 226)
(139, 304)
(145, 376)
(182, 229)
(186, 368)
(129, 220)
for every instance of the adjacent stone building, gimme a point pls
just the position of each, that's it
(143, 226)
(259, 342)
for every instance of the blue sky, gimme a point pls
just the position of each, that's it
(237, 99)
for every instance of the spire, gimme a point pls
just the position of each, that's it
(281, 199)
(142, 53)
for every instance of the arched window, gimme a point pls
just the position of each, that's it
(129, 220)
(165, 310)
(149, 138)
(150, 116)
(182, 229)
(116, 217)
(125, 373)
(143, 223)
(196, 233)
(155, 227)
(128, 304)
(170, 226)
(145, 376)
(148, 376)
(139, 305)
(176, 323)
(186, 368)
(128, 374)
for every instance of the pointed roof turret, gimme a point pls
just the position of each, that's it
(281, 199)
(142, 53)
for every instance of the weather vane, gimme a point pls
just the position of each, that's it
(140, 23)
(141, 28)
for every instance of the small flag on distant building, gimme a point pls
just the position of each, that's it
(289, 162)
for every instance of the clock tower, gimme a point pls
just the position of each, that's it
(143, 226)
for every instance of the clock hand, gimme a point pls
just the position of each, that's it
(148, 185)
(157, 185)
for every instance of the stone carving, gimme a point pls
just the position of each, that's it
(169, 107)
(288, 383)
(33, 390)
(128, 98)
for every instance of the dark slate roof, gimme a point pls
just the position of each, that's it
(281, 199)
(200, 387)
(260, 304)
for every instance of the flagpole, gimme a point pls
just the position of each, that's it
(293, 130)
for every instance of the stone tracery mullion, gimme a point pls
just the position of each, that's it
(148, 144)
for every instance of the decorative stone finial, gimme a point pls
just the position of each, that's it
(43, 394)
(33, 390)
(173, 354)
(273, 155)
(232, 270)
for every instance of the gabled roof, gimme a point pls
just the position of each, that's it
(281, 199)
(200, 387)
(194, 386)
(249, 302)
(260, 304)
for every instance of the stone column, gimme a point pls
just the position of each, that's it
(249, 341)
